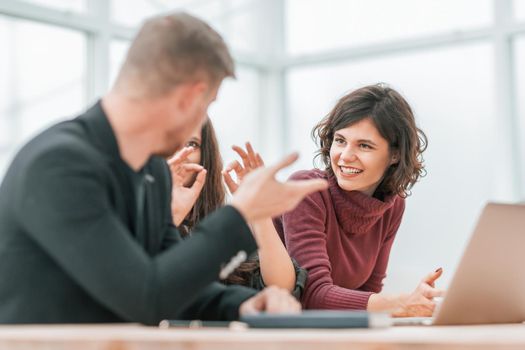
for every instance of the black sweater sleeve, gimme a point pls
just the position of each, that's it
(65, 206)
(217, 302)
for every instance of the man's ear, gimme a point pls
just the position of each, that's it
(190, 93)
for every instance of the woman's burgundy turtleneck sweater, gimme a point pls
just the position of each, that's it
(343, 238)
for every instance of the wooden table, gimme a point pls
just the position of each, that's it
(124, 337)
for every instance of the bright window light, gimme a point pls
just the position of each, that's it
(64, 5)
(319, 25)
(43, 79)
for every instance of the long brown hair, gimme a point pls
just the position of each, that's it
(212, 197)
(393, 118)
(213, 193)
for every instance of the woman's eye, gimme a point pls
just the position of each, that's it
(339, 141)
(193, 144)
(365, 146)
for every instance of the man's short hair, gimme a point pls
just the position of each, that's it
(174, 49)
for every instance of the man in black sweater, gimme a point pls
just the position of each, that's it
(86, 229)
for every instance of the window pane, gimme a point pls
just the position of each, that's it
(131, 13)
(44, 79)
(452, 97)
(234, 115)
(117, 53)
(314, 26)
(519, 9)
(244, 25)
(65, 5)
(238, 21)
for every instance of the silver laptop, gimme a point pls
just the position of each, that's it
(489, 283)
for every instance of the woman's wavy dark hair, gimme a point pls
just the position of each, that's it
(212, 197)
(393, 118)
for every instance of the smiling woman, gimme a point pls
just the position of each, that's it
(372, 152)
(358, 148)
(372, 129)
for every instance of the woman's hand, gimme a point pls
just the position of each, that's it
(183, 198)
(420, 302)
(250, 160)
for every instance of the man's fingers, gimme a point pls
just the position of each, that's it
(295, 190)
(272, 300)
(293, 305)
(280, 301)
(305, 187)
(249, 307)
(273, 304)
(283, 163)
(254, 305)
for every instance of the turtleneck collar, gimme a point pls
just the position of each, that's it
(356, 211)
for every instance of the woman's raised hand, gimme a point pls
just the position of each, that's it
(183, 198)
(250, 161)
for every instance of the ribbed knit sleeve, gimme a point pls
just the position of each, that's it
(305, 237)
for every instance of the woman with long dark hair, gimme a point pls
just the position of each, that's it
(204, 151)
(272, 265)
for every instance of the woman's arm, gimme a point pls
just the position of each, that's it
(276, 265)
